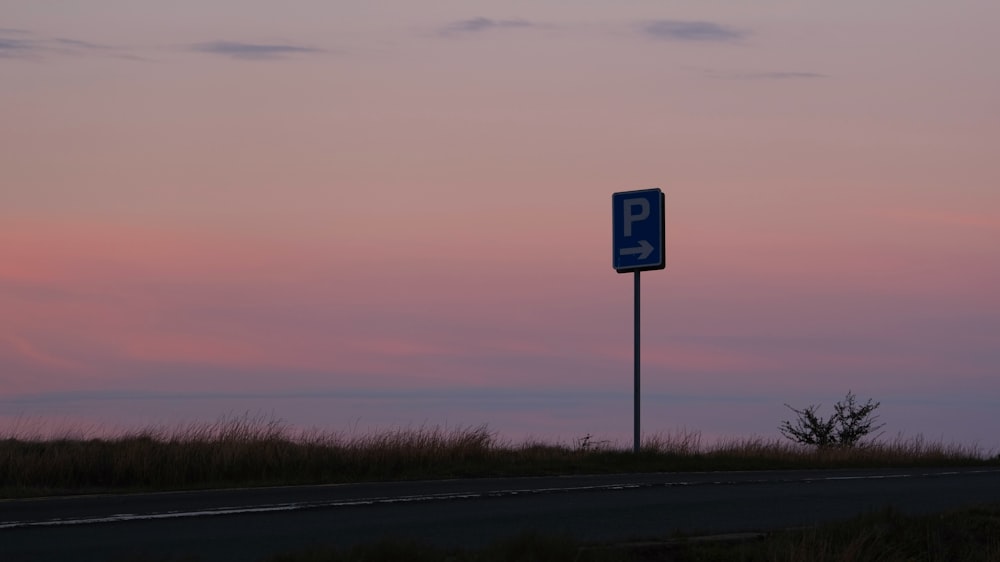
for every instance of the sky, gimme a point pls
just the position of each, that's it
(359, 215)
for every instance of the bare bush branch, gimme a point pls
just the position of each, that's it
(849, 424)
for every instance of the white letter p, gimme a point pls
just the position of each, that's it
(630, 217)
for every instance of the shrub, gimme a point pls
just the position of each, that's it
(849, 424)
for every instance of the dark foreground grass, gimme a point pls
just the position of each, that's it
(525, 548)
(252, 451)
(966, 535)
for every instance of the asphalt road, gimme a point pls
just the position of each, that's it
(248, 524)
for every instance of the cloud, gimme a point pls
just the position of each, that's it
(15, 47)
(781, 75)
(786, 75)
(942, 218)
(252, 51)
(21, 43)
(481, 24)
(699, 31)
(24, 349)
(759, 75)
(84, 45)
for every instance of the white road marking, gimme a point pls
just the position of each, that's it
(296, 506)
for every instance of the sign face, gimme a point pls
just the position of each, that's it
(637, 222)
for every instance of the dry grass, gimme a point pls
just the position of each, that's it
(234, 451)
(760, 452)
(248, 451)
(971, 534)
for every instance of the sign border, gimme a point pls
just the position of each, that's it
(662, 264)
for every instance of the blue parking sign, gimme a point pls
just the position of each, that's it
(637, 222)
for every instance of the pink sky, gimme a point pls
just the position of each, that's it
(348, 215)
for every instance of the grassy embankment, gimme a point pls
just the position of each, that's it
(253, 452)
(965, 535)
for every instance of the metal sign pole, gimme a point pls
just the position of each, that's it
(635, 438)
(638, 238)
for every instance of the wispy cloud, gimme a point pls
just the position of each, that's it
(15, 47)
(942, 218)
(700, 31)
(27, 350)
(15, 43)
(779, 75)
(481, 24)
(77, 44)
(21, 43)
(253, 51)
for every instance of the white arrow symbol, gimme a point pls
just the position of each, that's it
(643, 249)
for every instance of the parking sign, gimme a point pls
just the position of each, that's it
(637, 222)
